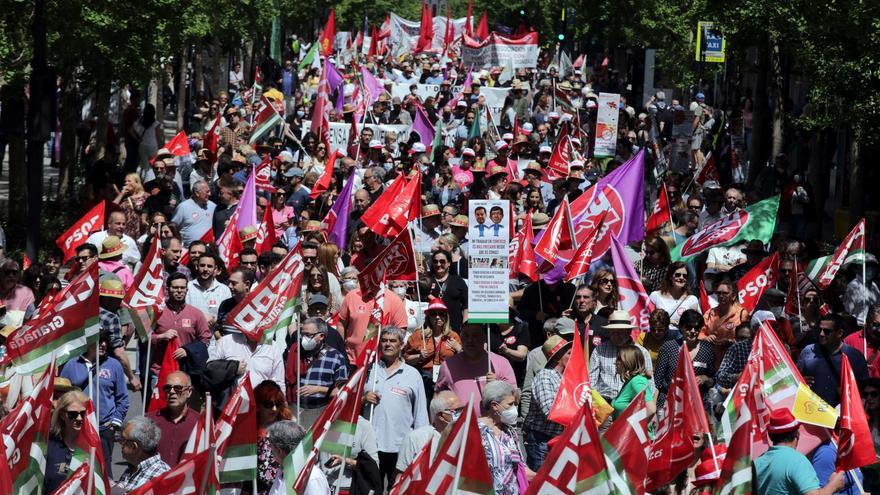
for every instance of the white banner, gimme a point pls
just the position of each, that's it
(488, 258)
(494, 96)
(405, 34)
(339, 133)
(520, 53)
(606, 124)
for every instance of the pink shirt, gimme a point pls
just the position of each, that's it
(281, 216)
(354, 316)
(464, 378)
(462, 177)
(119, 269)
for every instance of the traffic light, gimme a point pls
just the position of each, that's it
(560, 37)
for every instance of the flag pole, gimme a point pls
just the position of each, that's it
(714, 454)
(419, 314)
(867, 298)
(90, 484)
(97, 388)
(694, 178)
(211, 447)
(147, 382)
(797, 290)
(297, 358)
(458, 465)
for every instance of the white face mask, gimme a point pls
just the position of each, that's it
(400, 291)
(309, 343)
(349, 285)
(509, 415)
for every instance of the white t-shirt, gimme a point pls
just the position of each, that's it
(675, 307)
(317, 484)
(726, 256)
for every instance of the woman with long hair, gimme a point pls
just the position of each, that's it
(271, 407)
(328, 257)
(674, 295)
(604, 286)
(66, 424)
(318, 282)
(631, 368)
(652, 268)
(701, 352)
(534, 202)
(131, 199)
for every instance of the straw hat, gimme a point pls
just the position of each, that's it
(554, 348)
(619, 320)
(248, 233)
(459, 221)
(111, 247)
(112, 287)
(430, 210)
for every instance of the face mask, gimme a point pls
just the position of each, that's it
(388, 166)
(400, 291)
(300, 113)
(509, 415)
(778, 311)
(309, 343)
(349, 285)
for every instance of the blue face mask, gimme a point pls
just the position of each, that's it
(300, 113)
(388, 166)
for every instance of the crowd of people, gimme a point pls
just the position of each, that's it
(432, 361)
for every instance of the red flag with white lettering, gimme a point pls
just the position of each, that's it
(169, 365)
(627, 444)
(229, 245)
(559, 235)
(148, 287)
(753, 284)
(661, 214)
(395, 262)
(633, 297)
(682, 417)
(524, 260)
(178, 145)
(388, 215)
(574, 389)
(263, 175)
(708, 171)
(93, 221)
(851, 452)
(854, 240)
(563, 154)
(583, 258)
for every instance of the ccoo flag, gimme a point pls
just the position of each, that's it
(757, 221)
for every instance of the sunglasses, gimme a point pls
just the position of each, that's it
(680, 275)
(720, 293)
(273, 404)
(72, 415)
(608, 281)
(440, 262)
(174, 388)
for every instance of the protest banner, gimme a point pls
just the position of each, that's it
(405, 34)
(339, 133)
(498, 50)
(606, 124)
(488, 260)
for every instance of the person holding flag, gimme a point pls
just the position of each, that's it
(284, 437)
(545, 386)
(68, 421)
(140, 449)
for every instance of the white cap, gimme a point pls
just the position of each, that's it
(500, 145)
(590, 104)
(507, 136)
(418, 148)
(375, 143)
(461, 103)
(468, 152)
(545, 149)
(528, 127)
(285, 157)
(553, 115)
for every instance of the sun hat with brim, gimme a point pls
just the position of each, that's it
(534, 168)
(496, 170)
(554, 347)
(619, 320)
(539, 220)
(312, 226)
(459, 221)
(112, 288)
(436, 304)
(430, 210)
(164, 153)
(111, 247)
(782, 421)
(755, 247)
(248, 233)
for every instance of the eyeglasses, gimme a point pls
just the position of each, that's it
(608, 281)
(248, 263)
(441, 262)
(72, 415)
(177, 389)
(310, 259)
(811, 299)
(10, 272)
(826, 330)
(273, 404)
(695, 207)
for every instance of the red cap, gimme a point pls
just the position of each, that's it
(706, 473)
(436, 304)
(782, 421)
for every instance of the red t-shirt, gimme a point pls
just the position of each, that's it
(872, 354)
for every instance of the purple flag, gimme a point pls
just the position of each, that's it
(247, 205)
(423, 127)
(340, 100)
(371, 85)
(467, 84)
(622, 194)
(340, 212)
(334, 78)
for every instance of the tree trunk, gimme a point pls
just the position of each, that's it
(181, 88)
(14, 102)
(817, 175)
(856, 181)
(102, 111)
(198, 80)
(69, 118)
(777, 86)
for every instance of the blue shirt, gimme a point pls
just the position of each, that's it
(812, 362)
(784, 471)
(299, 199)
(402, 405)
(824, 459)
(194, 220)
(112, 395)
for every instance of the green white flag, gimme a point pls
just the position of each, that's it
(309, 58)
(757, 221)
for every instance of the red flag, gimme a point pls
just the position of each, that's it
(468, 22)
(661, 214)
(328, 35)
(708, 171)
(574, 389)
(169, 365)
(93, 221)
(753, 284)
(196, 475)
(855, 448)
(25, 262)
(575, 463)
(583, 258)
(261, 309)
(627, 444)
(207, 238)
(460, 452)
(90, 440)
(212, 139)
(394, 208)
(148, 288)
(798, 283)
(178, 145)
(77, 482)
(559, 234)
(524, 259)
(736, 476)
(483, 28)
(410, 480)
(324, 181)
(683, 417)
(563, 153)
(449, 34)
(855, 239)
(385, 28)
(374, 44)
(263, 175)
(395, 262)
(229, 245)
(266, 237)
(321, 112)
(633, 297)
(413, 194)
(426, 30)
(705, 302)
